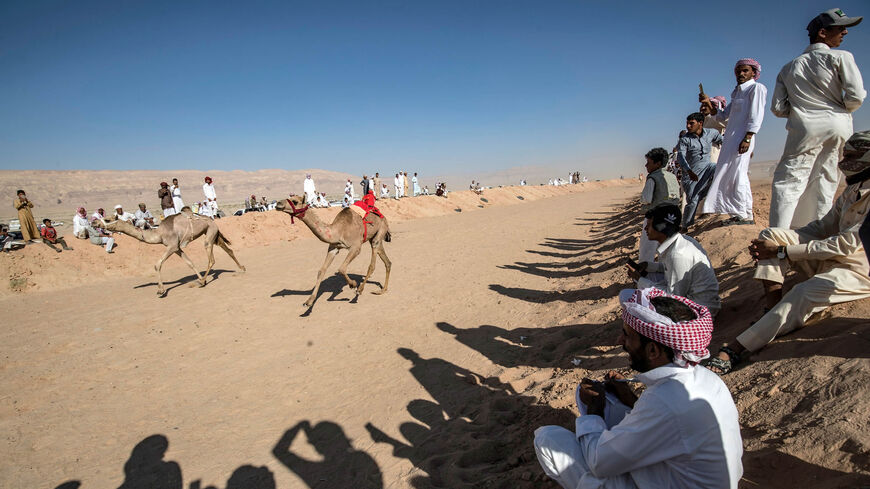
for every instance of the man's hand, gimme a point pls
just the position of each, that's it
(621, 389)
(592, 395)
(705, 101)
(744, 147)
(693, 176)
(761, 249)
(634, 273)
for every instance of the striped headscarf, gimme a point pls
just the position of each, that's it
(756, 66)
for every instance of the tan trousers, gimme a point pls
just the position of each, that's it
(830, 283)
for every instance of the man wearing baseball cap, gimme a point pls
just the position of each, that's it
(817, 92)
(681, 432)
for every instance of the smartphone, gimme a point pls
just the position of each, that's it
(701, 88)
(633, 264)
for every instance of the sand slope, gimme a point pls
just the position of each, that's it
(439, 383)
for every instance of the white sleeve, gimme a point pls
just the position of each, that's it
(780, 105)
(853, 85)
(646, 436)
(757, 99)
(649, 187)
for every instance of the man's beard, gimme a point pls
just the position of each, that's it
(637, 362)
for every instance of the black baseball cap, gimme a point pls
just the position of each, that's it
(832, 17)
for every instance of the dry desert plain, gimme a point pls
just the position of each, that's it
(438, 383)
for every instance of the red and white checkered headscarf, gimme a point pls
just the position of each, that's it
(688, 339)
(756, 66)
(719, 102)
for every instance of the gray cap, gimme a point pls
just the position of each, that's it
(832, 17)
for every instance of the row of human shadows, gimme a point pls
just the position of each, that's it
(469, 433)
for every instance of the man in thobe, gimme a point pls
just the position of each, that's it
(404, 184)
(210, 197)
(661, 188)
(365, 182)
(377, 183)
(416, 184)
(22, 204)
(817, 92)
(124, 216)
(730, 192)
(711, 123)
(683, 267)
(166, 200)
(693, 156)
(177, 202)
(397, 182)
(144, 219)
(309, 189)
(828, 250)
(682, 432)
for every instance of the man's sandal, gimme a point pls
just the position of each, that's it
(724, 366)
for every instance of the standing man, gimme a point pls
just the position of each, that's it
(416, 184)
(309, 189)
(176, 196)
(365, 185)
(405, 184)
(693, 156)
(166, 200)
(397, 182)
(817, 92)
(29, 231)
(710, 123)
(377, 183)
(210, 197)
(730, 192)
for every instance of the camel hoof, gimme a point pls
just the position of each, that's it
(161, 293)
(307, 303)
(242, 270)
(380, 292)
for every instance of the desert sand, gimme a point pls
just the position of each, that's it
(438, 383)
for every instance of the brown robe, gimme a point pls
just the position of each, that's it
(25, 217)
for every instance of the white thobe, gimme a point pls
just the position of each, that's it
(817, 92)
(398, 183)
(646, 248)
(830, 252)
(126, 216)
(309, 190)
(385, 192)
(80, 225)
(683, 432)
(687, 272)
(211, 198)
(176, 199)
(730, 192)
(416, 185)
(348, 189)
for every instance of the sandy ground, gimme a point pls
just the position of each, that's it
(438, 383)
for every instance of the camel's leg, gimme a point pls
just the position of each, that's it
(330, 255)
(387, 264)
(370, 270)
(351, 255)
(192, 267)
(209, 245)
(169, 251)
(229, 251)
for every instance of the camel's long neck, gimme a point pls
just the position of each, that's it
(150, 236)
(319, 228)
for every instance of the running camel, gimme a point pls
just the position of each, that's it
(175, 232)
(349, 231)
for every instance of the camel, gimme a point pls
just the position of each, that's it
(175, 232)
(347, 231)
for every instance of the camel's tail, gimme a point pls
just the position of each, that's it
(221, 239)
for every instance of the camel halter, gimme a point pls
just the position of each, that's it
(300, 212)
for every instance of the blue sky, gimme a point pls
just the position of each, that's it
(433, 87)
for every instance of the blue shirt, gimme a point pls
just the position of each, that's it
(693, 150)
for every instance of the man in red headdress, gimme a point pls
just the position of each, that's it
(681, 432)
(210, 197)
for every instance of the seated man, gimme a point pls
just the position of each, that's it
(50, 237)
(683, 267)
(124, 216)
(144, 219)
(828, 250)
(8, 242)
(682, 432)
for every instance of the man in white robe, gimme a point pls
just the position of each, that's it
(682, 432)
(177, 202)
(730, 192)
(309, 190)
(210, 197)
(398, 183)
(817, 92)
